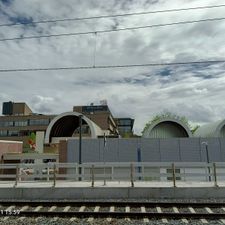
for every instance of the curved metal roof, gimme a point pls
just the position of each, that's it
(65, 124)
(215, 129)
(167, 127)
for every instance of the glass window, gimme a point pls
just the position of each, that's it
(6, 123)
(13, 133)
(124, 122)
(21, 123)
(3, 133)
(39, 122)
(125, 129)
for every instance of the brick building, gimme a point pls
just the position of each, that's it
(18, 122)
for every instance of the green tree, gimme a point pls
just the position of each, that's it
(193, 129)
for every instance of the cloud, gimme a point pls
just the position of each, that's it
(195, 91)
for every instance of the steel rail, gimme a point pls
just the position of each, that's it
(115, 203)
(118, 214)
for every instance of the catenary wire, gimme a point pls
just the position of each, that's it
(112, 66)
(111, 16)
(114, 30)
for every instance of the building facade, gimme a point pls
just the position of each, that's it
(125, 126)
(101, 115)
(19, 122)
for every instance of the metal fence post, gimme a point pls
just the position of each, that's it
(17, 175)
(215, 175)
(112, 173)
(132, 174)
(104, 175)
(48, 173)
(54, 176)
(174, 175)
(92, 176)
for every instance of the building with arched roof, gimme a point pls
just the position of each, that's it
(167, 128)
(64, 125)
(215, 129)
(19, 123)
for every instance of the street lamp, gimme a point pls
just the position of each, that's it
(207, 156)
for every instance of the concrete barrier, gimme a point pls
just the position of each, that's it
(61, 192)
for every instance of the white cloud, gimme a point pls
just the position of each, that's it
(194, 91)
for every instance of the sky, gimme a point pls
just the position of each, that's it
(194, 91)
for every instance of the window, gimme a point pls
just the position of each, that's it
(39, 122)
(125, 129)
(21, 123)
(6, 123)
(13, 133)
(3, 133)
(124, 122)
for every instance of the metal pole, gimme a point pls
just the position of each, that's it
(48, 173)
(132, 174)
(80, 145)
(17, 175)
(54, 175)
(104, 138)
(174, 174)
(207, 156)
(92, 176)
(139, 161)
(215, 175)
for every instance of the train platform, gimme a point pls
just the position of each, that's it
(75, 190)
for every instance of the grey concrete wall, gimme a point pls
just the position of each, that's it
(152, 150)
(78, 193)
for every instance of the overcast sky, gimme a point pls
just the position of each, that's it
(194, 91)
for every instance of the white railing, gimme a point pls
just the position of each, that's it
(131, 172)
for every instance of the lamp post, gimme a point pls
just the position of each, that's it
(80, 145)
(207, 156)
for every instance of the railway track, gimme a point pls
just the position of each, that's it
(146, 211)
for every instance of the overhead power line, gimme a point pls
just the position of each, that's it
(114, 30)
(111, 16)
(111, 66)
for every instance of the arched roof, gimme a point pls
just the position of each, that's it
(215, 129)
(167, 127)
(65, 124)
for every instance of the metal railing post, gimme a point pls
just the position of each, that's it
(77, 172)
(92, 176)
(54, 175)
(174, 175)
(132, 174)
(112, 173)
(209, 172)
(48, 173)
(17, 175)
(215, 175)
(104, 175)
